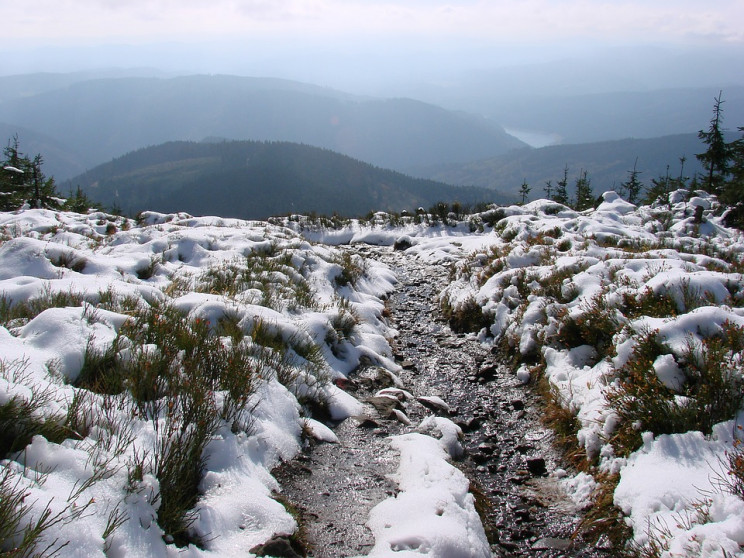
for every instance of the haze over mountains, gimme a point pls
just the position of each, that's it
(102, 119)
(465, 127)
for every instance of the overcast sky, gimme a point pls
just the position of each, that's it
(51, 21)
(249, 36)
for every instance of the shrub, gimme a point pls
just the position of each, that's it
(596, 325)
(149, 270)
(21, 419)
(713, 390)
(69, 260)
(29, 309)
(22, 529)
(649, 303)
(350, 272)
(102, 370)
(732, 479)
(467, 317)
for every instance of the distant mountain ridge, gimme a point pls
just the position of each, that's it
(256, 180)
(607, 164)
(105, 118)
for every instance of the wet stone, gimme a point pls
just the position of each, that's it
(551, 543)
(536, 466)
(279, 546)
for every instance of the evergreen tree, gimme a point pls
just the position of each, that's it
(524, 191)
(561, 190)
(548, 189)
(632, 186)
(79, 202)
(584, 198)
(23, 181)
(733, 191)
(716, 158)
(660, 188)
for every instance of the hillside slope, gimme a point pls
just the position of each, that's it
(259, 179)
(607, 164)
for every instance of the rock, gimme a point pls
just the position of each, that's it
(385, 404)
(398, 393)
(279, 546)
(522, 512)
(408, 365)
(403, 243)
(368, 423)
(434, 403)
(401, 417)
(488, 372)
(551, 543)
(479, 457)
(488, 448)
(536, 466)
(470, 424)
(517, 404)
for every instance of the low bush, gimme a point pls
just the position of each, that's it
(713, 389)
(595, 324)
(467, 317)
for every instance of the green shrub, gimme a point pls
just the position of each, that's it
(350, 272)
(649, 303)
(69, 260)
(27, 310)
(466, 317)
(713, 390)
(22, 529)
(595, 324)
(102, 370)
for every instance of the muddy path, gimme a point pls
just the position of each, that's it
(508, 454)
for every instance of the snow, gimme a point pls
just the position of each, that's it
(668, 489)
(42, 357)
(434, 512)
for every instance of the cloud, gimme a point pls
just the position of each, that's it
(495, 20)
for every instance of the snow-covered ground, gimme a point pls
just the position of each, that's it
(298, 315)
(573, 297)
(631, 314)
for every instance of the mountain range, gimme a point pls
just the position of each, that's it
(100, 119)
(607, 164)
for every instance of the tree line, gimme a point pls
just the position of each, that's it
(23, 184)
(722, 161)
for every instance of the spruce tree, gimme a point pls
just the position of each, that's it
(733, 190)
(561, 190)
(633, 186)
(716, 158)
(548, 189)
(584, 198)
(524, 191)
(23, 181)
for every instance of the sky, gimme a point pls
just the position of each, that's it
(60, 21)
(328, 38)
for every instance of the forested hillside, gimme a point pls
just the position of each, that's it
(257, 180)
(607, 163)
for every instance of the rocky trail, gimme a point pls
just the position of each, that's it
(508, 453)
